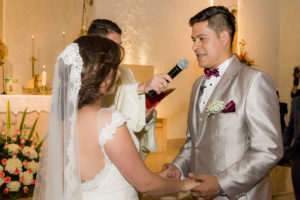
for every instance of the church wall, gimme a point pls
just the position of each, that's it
(1, 19)
(259, 26)
(289, 55)
(45, 20)
(154, 33)
(157, 33)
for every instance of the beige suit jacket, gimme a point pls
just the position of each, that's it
(240, 147)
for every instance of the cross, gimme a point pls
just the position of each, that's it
(10, 80)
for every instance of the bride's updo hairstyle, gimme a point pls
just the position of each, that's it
(100, 56)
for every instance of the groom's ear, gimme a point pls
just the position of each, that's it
(225, 38)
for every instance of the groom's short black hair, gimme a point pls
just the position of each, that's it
(219, 19)
(103, 27)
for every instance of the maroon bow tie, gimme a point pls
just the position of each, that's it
(209, 73)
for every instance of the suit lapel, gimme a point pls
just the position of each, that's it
(193, 112)
(224, 84)
(221, 88)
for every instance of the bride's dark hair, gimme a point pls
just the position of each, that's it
(100, 56)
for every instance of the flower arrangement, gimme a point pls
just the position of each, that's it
(19, 156)
(243, 56)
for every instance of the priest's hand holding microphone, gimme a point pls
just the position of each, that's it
(160, 81)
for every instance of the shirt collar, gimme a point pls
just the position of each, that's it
(222, 67)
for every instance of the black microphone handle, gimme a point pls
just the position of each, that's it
(171, 73)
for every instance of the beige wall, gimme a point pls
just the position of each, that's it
(259, 26)
(271, 29)
(154, 33)
(46, 20)
(289, 49)
(1, 19)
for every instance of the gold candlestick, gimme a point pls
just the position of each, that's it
(32, 60)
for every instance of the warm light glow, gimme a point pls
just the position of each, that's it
(211, 2)
(64, 33)
(32, 37)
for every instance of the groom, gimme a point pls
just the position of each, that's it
(233, 134)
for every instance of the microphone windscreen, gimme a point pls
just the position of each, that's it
(183, 63)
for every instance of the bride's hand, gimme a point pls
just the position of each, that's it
(189, 184)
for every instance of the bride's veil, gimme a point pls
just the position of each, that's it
(58, 177)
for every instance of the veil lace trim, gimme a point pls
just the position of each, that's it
(72, 57)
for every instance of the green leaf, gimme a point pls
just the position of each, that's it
(37, 136)
(38, 148)
(23, 119)
(33, 128)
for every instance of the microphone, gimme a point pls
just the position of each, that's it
(182, 64)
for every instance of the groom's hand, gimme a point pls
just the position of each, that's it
(209, 187)
(171, 171)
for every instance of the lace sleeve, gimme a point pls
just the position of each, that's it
(107, 128)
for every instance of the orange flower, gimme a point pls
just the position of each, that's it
(2, 174)
(14, 138)
(18, 132)
(4, 161)
(25, 190)
(5, 191)
(22, 179)
(33, 181)
(7, 179)
(25, 162)
(17, 172)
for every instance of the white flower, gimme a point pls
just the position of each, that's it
(14, 186)
(1, 168)
(13, 148)
(215, 107)
(28, 177)
(30, 152)
(33, 166)
(1, 181)
(13, 164)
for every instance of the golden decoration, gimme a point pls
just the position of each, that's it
(3, 52)
(84, 18)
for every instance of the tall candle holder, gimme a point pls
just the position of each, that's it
(32, 60)
(2, 65)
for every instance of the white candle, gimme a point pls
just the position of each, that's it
(63, 39)
(32, 41)
(44, 76)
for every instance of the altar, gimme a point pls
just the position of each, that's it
(37, 106)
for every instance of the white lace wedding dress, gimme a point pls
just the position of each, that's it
(109, 184)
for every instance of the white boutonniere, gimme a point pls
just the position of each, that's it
(215, 107)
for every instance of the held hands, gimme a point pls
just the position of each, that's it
(209, 187)
(171, 171)
(189, 184)
(158, 83)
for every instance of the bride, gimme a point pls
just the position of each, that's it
(88, 152)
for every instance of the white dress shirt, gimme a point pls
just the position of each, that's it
(211, 83)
